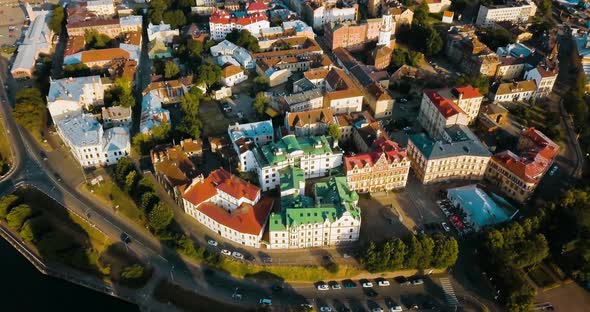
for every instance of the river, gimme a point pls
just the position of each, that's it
(25, 289)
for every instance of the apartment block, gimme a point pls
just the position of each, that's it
(518, 174)
(459, 155)
(518, 11)
(471, 55)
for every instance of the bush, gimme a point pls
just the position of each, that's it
(34, 228)
(18, 215)
(160, 217)
(132, 272)
(6, 203)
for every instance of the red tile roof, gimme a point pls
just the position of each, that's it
(223, 17)
(445, 106)
(535, 159)
(468, 92)
(246, 219)
(257, 6)
(393, 153)
(224, 181)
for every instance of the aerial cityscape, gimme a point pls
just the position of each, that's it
(295, 155)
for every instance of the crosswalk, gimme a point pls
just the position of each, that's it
(449, 291)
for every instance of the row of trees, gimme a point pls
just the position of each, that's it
(402, 56)
(422, 34)
(415, 252)
(159, 215)
(120, 94)
(29, 111)
(506, 251)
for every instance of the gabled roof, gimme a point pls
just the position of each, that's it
(383, 148)
(301, 119)
(246, 219)
(104, 55)
(221, 180)
(445, 106)
(257, 6)
(230, 70)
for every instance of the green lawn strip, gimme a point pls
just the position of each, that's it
(119, 200)
(5, 153)
(98, 240)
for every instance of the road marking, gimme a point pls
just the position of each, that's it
(449, 291)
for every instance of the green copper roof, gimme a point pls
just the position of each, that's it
(273, 153)
(291, 177)
(333, 199)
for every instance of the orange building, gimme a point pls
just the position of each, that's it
(350, 35)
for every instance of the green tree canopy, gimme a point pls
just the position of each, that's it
(260, 103)
(244, 39)
(209, 74)
(171, 69)
(334, 131)
(18, 215)
(482, 83)
(6, 203)
(29, 111)
(96, 40)
(57, 19)
(175, 18)
(495, 38)
(132, 272)
(160, 216)
(77, 70)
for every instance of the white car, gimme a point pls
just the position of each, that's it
(225, 252)
(383, 283)
(418, 281)
(212, 242)
(367, 285)
(237, 255)
(446, 227)
(395, 309)
(323, 287)
(325, 309)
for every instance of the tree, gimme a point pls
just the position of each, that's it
(185, 246)
(482, 83)
(446, 251)
(370, 258)
(195, 47)
(244, 39)
(208, 73)
(175, 18)
(398, 254)
(334, 131)
(57, 20)
(131, 181)
(156, 9)
(171, 69)
(29, 111)
(122, 169)
(147, 201)
(125, 100)
(424, 259)
(18, 215)
(160, 217)
(34, 228)
(6, 203)
(421, 14)
(495, 38)
(132, 272)
(414, 253)
(77, 70)
(260, 103)
(545, 7)
(96, 40)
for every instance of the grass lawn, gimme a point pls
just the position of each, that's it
(288, 273)
(5, 153)
(119, 200)
(541, 278)
(98, 240)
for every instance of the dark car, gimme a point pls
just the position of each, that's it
(277, 287)
(125, 238)
(370, 292)
(348, 284)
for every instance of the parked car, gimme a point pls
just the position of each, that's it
(323, 287)
(212, 243)
(335, 285)
(418, 281)
(348, 284)
(383, 283)
(237, 255)
(367, 284)
(553, 170)
(265, 301)
(227, 107)
(446, 227)
(325, 309)
(225, 252)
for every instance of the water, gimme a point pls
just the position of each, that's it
(23, 288)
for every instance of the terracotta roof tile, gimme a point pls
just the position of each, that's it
(104, 55)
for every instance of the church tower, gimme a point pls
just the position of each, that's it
(386, 30)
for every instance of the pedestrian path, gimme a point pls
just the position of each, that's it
(449, 291)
